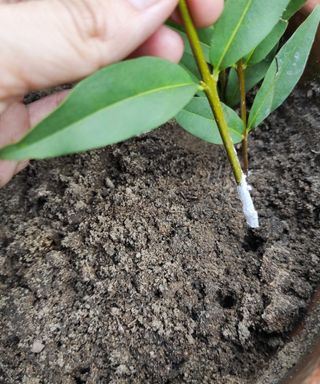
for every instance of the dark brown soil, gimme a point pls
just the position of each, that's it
(133, 264)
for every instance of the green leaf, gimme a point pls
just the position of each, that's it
(116, 103)
(267, 45)
(188, 63)
(292, 8)
(242, 26)
(197, 119)
(254, 75)
(285, 70)
(205, 35)
(205, 44)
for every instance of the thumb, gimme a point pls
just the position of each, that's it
(49, 42)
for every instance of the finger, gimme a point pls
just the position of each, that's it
(204, 12)
(39, 109)
(49, 42)
(163, 43)
(310, 5)
(7, 171)
(15, 122)
(21, 165)
(18, 118)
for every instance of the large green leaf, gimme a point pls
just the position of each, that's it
(267, 45)
(254, 74)
(205, 35)
(242, 26)
(285, 70)
(114, 104)
(189, 64)
(292, 8)
(197, 119)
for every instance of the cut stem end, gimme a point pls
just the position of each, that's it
(249, 210)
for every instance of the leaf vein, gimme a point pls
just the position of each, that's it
(234, 33)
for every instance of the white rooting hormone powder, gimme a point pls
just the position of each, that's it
(249, 211)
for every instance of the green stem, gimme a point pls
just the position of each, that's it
(243, 104)
(210, 84)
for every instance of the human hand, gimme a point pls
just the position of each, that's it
(51, 42)
(310, 5)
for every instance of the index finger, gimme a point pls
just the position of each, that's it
(204, 12)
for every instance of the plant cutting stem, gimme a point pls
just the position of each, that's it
(210, 85)
(243, 104)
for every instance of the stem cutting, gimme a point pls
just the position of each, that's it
(210, 85)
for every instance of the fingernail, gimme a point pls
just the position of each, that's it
(142, 4)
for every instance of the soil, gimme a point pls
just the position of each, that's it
(133, 264)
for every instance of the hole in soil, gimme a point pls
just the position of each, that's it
(40, 202)
(80, 377)
(266, 300)
(115, 258)
(200, 287)
(85, 370)
(178, 363)
(78, 380)
(252, 242)
(12, 341)
(56, 238)
(202, 338)
(194, 314)
(227, 300)
(158, 294)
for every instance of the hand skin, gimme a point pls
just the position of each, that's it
(310, 5)
(51, 42)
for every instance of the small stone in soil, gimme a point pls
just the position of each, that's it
(37, 346)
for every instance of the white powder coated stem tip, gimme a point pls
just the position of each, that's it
(249, 211)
